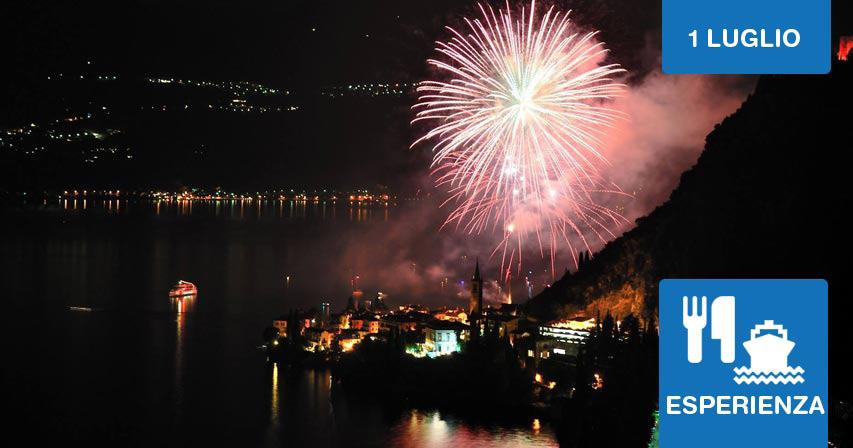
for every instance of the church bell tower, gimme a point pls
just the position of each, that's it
(475, 303)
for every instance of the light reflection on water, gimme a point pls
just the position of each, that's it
(179, 362)
(274, 396)
(180, 306)
(431, 429)
(239, 209)
(301, 405)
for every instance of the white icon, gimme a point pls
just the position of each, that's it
(723, 326)
(769, 357)
(694, 323)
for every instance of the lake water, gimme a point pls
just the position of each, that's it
(134, 371)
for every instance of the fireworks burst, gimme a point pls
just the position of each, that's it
(516, 129)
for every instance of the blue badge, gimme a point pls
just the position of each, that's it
(741, 37)
(743, 363)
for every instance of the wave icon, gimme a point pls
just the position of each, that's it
(788, 375)
(769, 357)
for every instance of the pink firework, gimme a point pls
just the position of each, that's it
(515, 130)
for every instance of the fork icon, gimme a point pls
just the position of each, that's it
(694, 323)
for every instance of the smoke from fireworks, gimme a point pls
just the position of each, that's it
(516, 126)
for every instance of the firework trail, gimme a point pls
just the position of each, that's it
(515, 127)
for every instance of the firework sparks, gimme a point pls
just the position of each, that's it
(515, 129)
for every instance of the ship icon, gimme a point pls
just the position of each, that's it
(768, 354)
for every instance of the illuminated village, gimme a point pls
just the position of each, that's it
(437, 332)
(202, 195)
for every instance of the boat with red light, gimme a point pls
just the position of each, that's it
(183, 289)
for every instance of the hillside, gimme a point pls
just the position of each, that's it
(767, 198)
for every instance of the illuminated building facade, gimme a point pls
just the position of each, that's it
(348, 339)
(442, 337)
(562, 339)
(319, 339)
(281, 325)
(371, 325)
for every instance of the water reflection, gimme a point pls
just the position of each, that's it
(112, 205)
(431, 429)
(274, 427)
(181, 306)
(303, 410)
(239, 209)
(274, 396)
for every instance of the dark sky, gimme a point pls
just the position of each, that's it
(283, 43)
(300, 46)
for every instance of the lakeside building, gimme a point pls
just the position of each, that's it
(443, 337)
(348, 339)
(372, 325)
(319, 339)
(280, 324)
(561, 339)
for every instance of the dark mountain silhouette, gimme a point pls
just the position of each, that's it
(768, 198)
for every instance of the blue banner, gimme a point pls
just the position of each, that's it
(743, 363)
(746, 36)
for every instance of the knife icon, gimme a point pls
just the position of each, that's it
(723, 326)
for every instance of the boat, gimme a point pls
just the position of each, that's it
(81, 308)
(183, 289)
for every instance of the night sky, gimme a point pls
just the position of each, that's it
(297, 46)
(288, 44)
